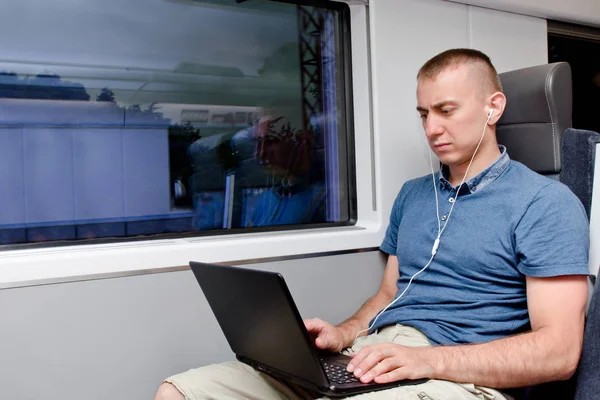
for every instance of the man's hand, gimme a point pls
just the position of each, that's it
(325, 335)
(388, 362)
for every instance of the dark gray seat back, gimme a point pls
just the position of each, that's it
(538, 111)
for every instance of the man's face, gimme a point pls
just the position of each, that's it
(452, 107)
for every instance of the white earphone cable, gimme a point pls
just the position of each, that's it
(441, 229)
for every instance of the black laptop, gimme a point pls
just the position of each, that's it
(264, 329)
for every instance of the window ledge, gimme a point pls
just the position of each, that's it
(20, 267)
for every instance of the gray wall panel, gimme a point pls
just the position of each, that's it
(118, 338)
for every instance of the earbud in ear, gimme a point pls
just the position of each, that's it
(490, 113)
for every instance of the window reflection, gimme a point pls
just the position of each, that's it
(127, 131)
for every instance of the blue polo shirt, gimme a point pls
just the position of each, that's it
(508, 223)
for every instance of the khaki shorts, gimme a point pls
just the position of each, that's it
(235, 380)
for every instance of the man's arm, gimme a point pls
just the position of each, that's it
(341, 336)
(550, 351)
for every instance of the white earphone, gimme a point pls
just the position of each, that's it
(490, 113)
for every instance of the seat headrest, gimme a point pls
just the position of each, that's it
(538, 111)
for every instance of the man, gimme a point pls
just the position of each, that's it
(498, 301)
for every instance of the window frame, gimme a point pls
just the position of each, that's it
(559, 28)
(345, 90)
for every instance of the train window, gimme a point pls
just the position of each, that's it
(580, 47)
(137, 119)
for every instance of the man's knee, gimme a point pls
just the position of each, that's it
(166, 391)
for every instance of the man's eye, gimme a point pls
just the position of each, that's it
(423, 116)
(446, 111)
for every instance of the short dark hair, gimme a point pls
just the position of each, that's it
(456, 57)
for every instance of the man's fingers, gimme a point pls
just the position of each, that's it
(318, 330)
(325, 335)
(327, 338)
(362, 364)
(382, 367)
(322, 342)
(313, 325)
(363, 369)
(358, 358)
(396, 374)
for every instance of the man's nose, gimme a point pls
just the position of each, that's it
(433, 126)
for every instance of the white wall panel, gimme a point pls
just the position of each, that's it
(512, 41)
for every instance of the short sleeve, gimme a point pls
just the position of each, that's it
(390, 242)
(552, 237)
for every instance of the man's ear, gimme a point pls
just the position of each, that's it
(497, 103)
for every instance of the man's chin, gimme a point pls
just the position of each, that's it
(446, 159)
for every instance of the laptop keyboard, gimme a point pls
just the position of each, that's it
(338, 374)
